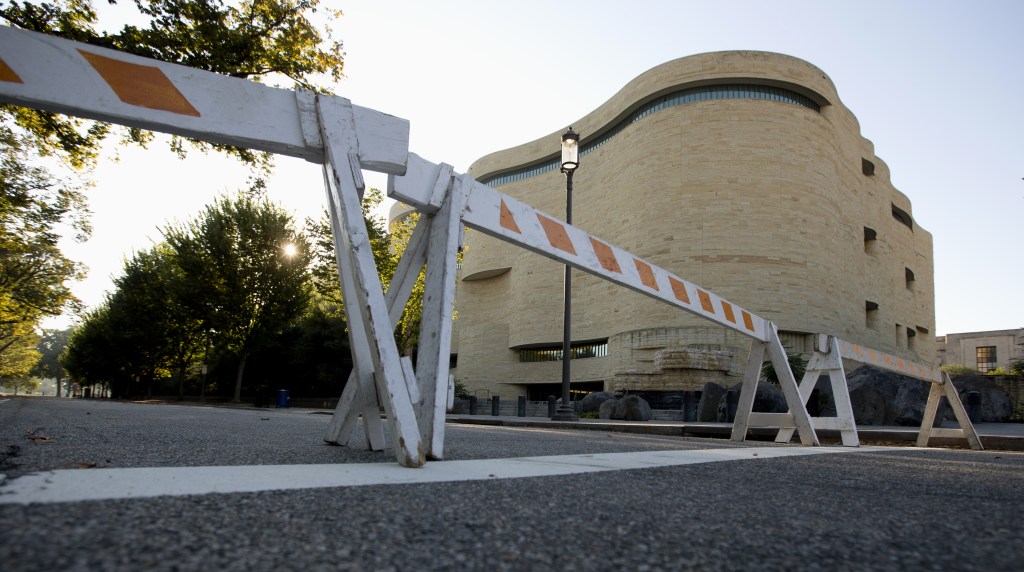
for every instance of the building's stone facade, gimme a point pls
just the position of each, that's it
(779, 207)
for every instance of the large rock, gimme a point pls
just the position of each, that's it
(995, 402)
(707, 408)
(593, 401)
(881, 397)
(768, 399)
(607, 408)
(632, 408)
(629, 408)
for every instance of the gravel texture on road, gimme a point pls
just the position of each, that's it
(901, 510)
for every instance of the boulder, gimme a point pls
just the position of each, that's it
(880, 397)
(629, 408)
(707, 408)
(768, 399)
(995, 402)
(593, 401)
(632, 408)
(607, 408)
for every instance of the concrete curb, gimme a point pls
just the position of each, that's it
(994, 436)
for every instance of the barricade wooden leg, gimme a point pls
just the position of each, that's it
(751, 375)
(787, 382)
(931, 408)
(345, 182)
(948, 390)
(953, 397)
(436, 322)
(361, 379)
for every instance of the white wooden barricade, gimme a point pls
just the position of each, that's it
(68, 77)
(828, 356)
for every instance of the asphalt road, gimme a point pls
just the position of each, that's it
(890, 509)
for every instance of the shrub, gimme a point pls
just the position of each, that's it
(958, 369)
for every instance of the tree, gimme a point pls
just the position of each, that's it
(34, 274)
(247, 284)
(19, 357)
(93, 356)
(255, 39)
(51, 346)
(155, 332)
(23, 384)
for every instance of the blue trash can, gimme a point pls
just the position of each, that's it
(283, 398)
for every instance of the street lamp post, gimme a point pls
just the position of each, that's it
(570, 161)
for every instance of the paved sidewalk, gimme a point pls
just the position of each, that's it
(996, 436)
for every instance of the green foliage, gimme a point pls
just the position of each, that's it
(34, 275)
(387, 250)
(1017, 367)
(460, 390)
(242, 284)
(589, 415)
(23, 384)
(50, 347)
(797, 363)
(223, 279)
(958, 369)
(255, 39)
(19, 355)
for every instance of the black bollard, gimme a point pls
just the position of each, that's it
(496, 405)
(732, 400)
(551, 406)
(974, 406)
(472, 405)
(521, 409)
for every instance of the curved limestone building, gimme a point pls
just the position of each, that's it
(740, 171)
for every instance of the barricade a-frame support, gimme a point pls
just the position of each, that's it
(941, 386)
(827, 358)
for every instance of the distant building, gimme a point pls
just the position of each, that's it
(740, 171)
(984, 350)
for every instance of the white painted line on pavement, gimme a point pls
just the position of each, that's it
(74, 485)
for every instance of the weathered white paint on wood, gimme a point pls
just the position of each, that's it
(54, 74)
(438, 307)
(346, 184)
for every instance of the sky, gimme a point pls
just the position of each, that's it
(936, 85)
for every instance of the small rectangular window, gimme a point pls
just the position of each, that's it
(870, 240)
(871, 314)
(909, 275)
(986, 356)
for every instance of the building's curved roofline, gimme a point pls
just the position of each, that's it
(712, 68)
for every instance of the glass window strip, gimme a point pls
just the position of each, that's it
(554, 353)
(691, 95)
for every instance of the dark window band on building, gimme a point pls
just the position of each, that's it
(682, 97)
(554, 353)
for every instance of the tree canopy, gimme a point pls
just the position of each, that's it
(34, 275)
(246, 267)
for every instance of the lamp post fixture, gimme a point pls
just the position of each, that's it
(570, 161)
